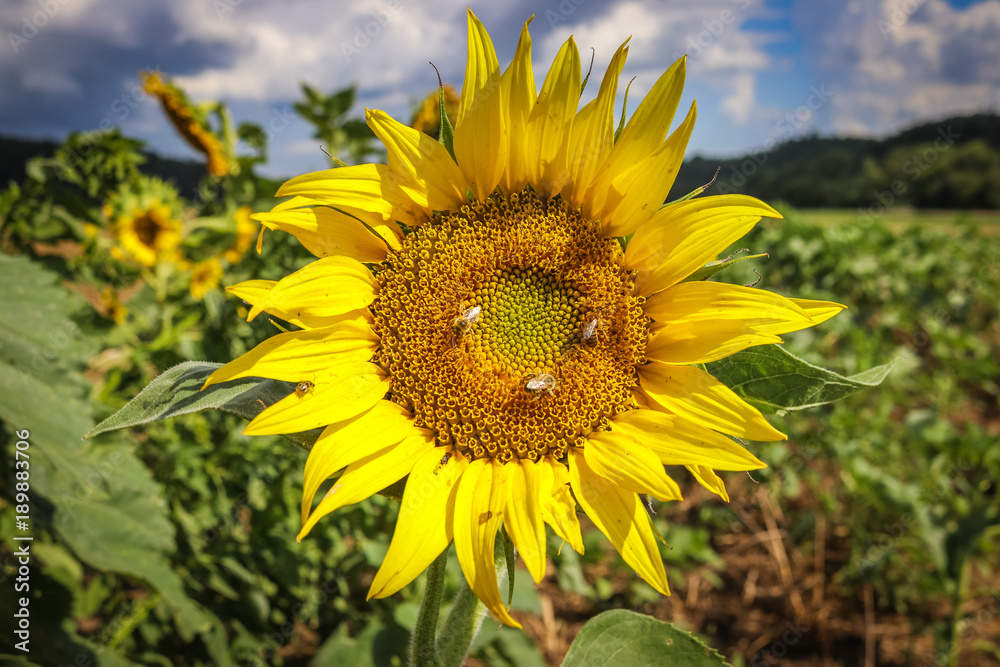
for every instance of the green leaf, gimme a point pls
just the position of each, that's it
(107, 508)
(772, 379)
(446, 133)
(712, 268)
(621, 637)
(178, 391)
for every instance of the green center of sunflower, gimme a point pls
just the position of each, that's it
(509, 328)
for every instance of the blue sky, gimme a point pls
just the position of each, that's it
(762, 71)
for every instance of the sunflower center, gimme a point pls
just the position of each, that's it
(509, 328)
(527, 319)
(147, 227)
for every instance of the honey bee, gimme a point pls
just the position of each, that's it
(464, 322)
(302, 388)
(590, 323)
(539, 382)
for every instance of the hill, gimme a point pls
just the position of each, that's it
(953, 163)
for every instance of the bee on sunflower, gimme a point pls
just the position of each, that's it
(526, 410)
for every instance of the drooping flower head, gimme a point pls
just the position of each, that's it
(191, 123)
(505, 353)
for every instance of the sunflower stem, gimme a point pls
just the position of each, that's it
(422, 651)
(466, 617)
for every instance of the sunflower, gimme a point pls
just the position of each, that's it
(505, 354)
(146, 222)
(190, 122)
(246, 231)
(205, 276)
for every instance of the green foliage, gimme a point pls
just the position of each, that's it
(621, 638)
(774, 380)
(339, 135)
(179, 391)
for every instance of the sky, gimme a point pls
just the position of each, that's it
(762, 71)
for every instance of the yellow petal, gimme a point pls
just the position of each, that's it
(703, 342)
(389, 232)
(325, 231)
(479, 510)
(621, 516)
(705, 321)
(551, 123)
(481, 140)
(681, 238)
(258, 291)
(643, 134)
(370, 475)
(299, 356)
(524, 514)
(340, 393)
(345, 442)
(325, 288)
(692, 393)
(359, 187)
(630, 465)
(424, 526)
(423, 168)
(707, 478)
(519, 92)
(677, 441)
(593, 134)
(818, 312)
(638, 192)
(558, 504)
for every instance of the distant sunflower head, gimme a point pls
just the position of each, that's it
(205, 276)
(246, 231)
(427, 118)
(146, 221)
(190, 122)
(505, 353)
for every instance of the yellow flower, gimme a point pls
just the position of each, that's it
(246, 230)
(205, 276)
(146, 221)
(111, 306)
(507, 355)
(427, 119)
(189, 122)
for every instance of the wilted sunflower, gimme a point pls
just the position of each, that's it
(190, 122)
(146, 222)
(506, 353)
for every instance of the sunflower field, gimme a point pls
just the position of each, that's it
(168, 536)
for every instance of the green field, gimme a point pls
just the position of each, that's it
(901, 218)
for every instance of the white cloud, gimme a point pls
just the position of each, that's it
(894, 62)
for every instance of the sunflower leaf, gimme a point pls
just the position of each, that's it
(772, 379)
(712, 268)
(625, 638)
(446, 133)
(178, 391)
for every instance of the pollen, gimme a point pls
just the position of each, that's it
(480, 305)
